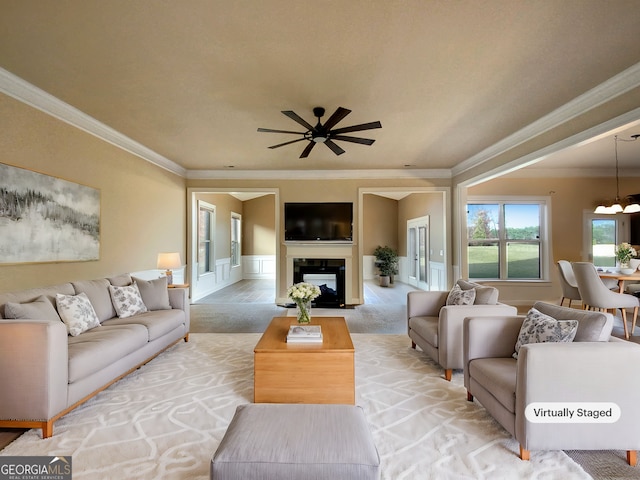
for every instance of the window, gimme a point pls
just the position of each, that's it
(206, 235)
(506, 239)
(601, 235)
(236, 239)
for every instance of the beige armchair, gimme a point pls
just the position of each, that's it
(437, 328)
(595, 372)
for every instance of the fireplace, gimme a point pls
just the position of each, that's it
(326, 273)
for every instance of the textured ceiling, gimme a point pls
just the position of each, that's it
(193, 80)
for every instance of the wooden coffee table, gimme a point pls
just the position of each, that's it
(305, 373)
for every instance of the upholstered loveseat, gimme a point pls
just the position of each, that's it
(436, 327)
(571, 387)
(109, 327)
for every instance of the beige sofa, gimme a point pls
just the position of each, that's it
(45, 371)
(594, 372)
(436, 327)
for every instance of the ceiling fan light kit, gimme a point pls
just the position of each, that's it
(632, 205)
(324, 133)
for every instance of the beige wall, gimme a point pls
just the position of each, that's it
(379, 223)
(143, 207)
(259, 226)
(225, 205)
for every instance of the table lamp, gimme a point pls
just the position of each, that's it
(168, 262)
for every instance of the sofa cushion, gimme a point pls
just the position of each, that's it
(457, 296)
(426, 327)
(592, 326)
(77, 313)
(539, 328)
(127, 300)
(498, 376)
(157, 323)
(484, 295)
(98, 348)
(121, 280)
(39, 309)
(30, 295)
(155, 294)
(98, 293)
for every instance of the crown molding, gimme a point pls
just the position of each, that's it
(615, 86)
(29, 94)
(315, 174)
(572, 173)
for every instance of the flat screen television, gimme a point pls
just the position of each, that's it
(318, 222)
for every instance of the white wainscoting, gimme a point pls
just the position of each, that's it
(370, 271)
(438, 275)
(258, 267)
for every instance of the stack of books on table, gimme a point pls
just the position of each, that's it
(304, 334)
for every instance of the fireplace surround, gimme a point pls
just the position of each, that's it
(337, 261)
(326, 273)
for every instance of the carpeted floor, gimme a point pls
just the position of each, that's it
(254, 317)
(165, 420)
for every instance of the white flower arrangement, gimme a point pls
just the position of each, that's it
(625, 252)
(303, 292)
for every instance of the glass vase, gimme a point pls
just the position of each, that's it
(303, 312)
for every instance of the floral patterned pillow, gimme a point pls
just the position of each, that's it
(457, 296)
(127, 300)
(539, 328)
(77, 313)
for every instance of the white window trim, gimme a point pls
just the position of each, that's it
(237, 216)
(212, 260)
(545, 233)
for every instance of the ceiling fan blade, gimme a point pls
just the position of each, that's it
(287, 143)
(334, 148)
(307, 150)
(357, 128)
(269, 130)
(296, 118)
(363, 141)
(338, 115)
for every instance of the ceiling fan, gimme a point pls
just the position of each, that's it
(324, 133)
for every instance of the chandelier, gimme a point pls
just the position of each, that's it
(630, 205)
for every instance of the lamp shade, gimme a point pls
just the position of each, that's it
(632, 208)
(169, 261)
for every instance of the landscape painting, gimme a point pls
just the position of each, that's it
(46, 219)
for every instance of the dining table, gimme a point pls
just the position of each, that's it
(621, 277)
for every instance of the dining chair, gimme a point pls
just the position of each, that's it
(568, 282)
(595, 294)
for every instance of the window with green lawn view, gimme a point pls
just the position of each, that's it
(505, 240)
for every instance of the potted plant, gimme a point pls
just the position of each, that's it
(387, 263)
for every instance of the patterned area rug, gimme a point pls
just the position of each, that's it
(165, 420)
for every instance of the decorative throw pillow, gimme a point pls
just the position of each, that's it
(457, 296)
(127, 300)
(539, 328)
(154, 293)
(77, 313)
(484, 295)
(39, 309)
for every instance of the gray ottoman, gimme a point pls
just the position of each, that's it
(296, 442)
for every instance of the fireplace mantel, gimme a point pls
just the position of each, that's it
(340, 251)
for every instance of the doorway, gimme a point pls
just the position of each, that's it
(418, 252)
